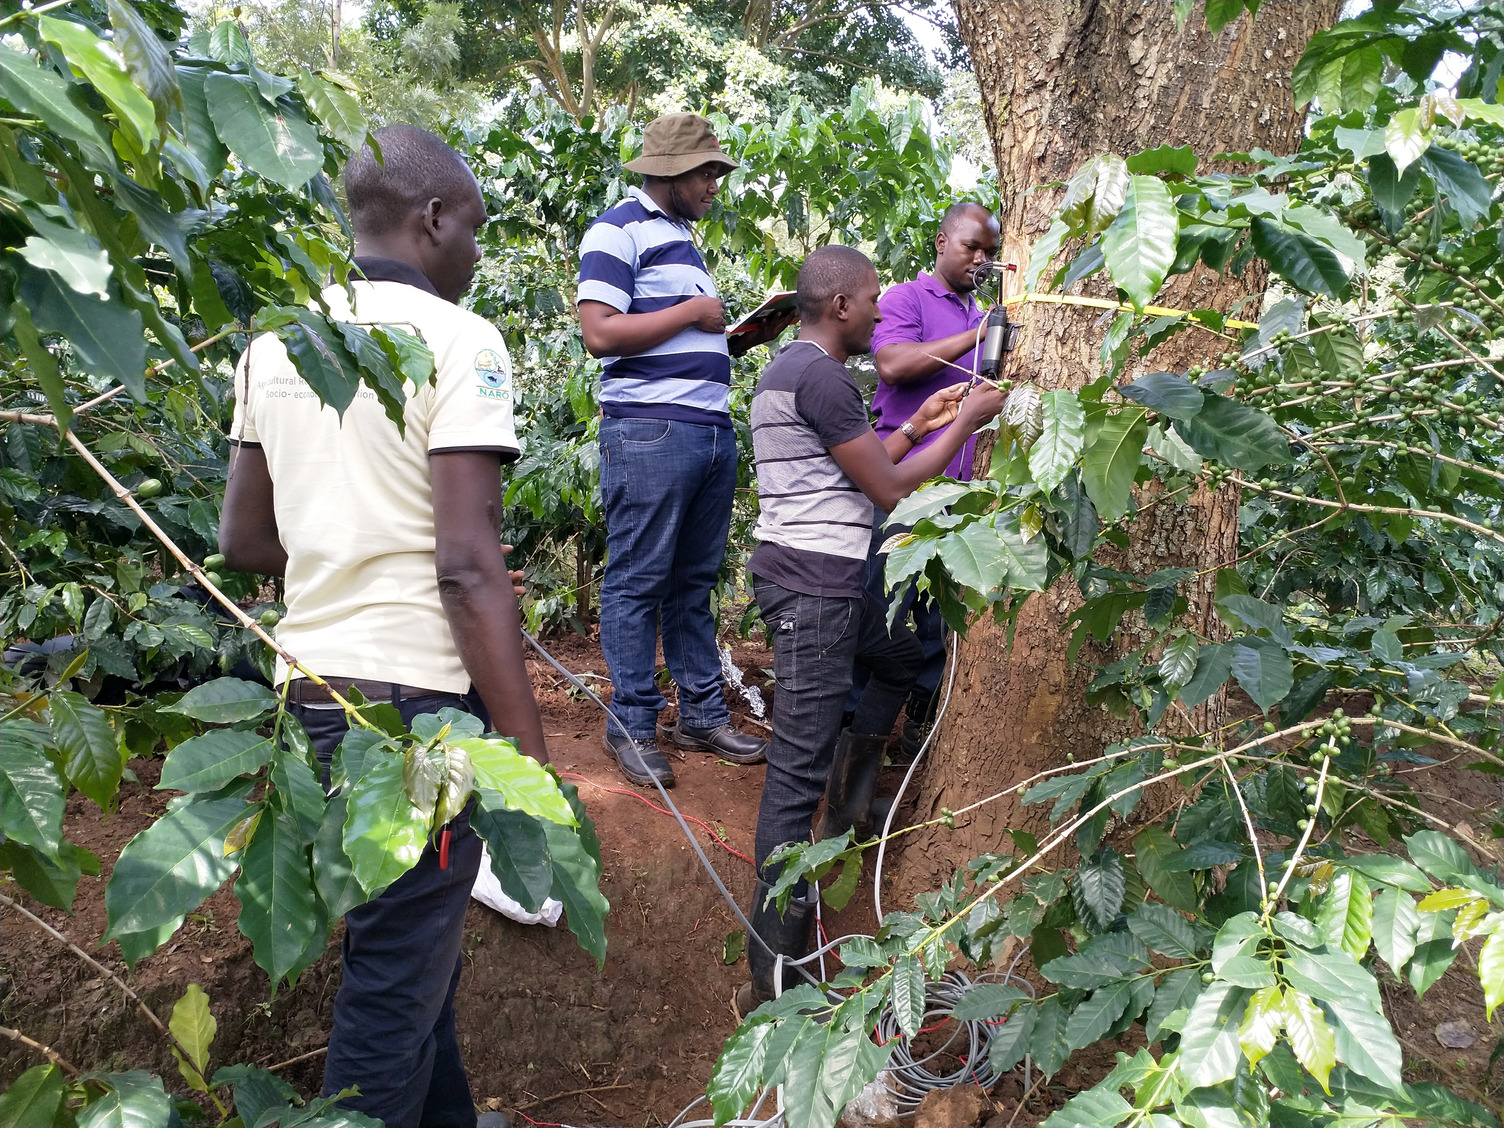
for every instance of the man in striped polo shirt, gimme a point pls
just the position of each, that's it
(820, 470)
(648, 308)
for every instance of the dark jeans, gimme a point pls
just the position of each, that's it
(815, 640)
(393, 1033)
(929, 627)
(667, 488)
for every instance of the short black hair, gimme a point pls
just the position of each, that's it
(415, 167)
(954, 214)
(828, 271)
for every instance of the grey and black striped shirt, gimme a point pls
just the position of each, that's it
(816, 525)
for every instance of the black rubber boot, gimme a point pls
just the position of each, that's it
(786, 935)
(853, 781)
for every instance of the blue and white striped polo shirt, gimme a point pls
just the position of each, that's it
(637, 260)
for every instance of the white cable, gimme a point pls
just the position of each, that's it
(929, 737)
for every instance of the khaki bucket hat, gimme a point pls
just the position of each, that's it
(676, 143)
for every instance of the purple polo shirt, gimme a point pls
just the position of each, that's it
(923, 310)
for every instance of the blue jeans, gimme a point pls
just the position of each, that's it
(815, 641)
(667, 488)
(393, 1034)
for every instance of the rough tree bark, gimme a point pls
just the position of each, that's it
(1061, 81)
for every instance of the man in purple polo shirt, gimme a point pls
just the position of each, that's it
(933, 316)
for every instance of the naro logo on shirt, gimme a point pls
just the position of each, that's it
(490, 366)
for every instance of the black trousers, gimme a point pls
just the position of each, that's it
(393, 1035)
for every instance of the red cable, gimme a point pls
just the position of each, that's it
(530, 1120)
(661, 810)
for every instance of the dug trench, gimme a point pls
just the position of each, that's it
(548, 1038)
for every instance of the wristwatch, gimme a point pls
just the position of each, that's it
(910, 432)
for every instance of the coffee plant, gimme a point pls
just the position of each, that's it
(1239, 926)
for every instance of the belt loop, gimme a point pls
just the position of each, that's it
(396, 691)
(297, 691)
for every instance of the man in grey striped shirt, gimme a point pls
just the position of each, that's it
(820, 470)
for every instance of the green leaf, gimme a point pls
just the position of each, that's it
(1434, 951)
(1395, 923)
(1094, 1108)
(1139, 245)
(170, 867)
(1178, 662)
(1310, 1037)
(1263, 669)
(984, 1001)
(1234, 433)
(278, 910)
(208, 762)
(74, 256)
(51, 880)
(32, 794)
(1466, 189)
(1114, 452)
(337, 111)
(1304, 262)
(518, 849)
(1060, 441)
(297, 789)
(333, 875)
(1220, 13)
(92, 757)
(908, 994)
(1209, 1047)
(1491, 971)
(1332, 975)
(1164, 930)
(275, 142)
(738, 1072)
(521, 781)
(1344, 914)
(974, 557)
(1047, 1042)
(35, 1098)
(146, 59)
(1165, 392)
(1098, 887)
(574, 854)
(1090, 1021)
(1365, 1042)
(1153, 848)
(1443, 859)
(1213, 668)
(98, 61)
(384, 833)
(106, 335)
(224, 701)
(1261, 1023)
(131, 1100)
(59, 104)
(1350, 81)
(1164, 158)
(1339, 352)
(1044, 249)
(1011, 1040)
(198, 126)
(194, 1027)
(1388, 870)
(1173, 999)
(42, 363)
(1406, 138)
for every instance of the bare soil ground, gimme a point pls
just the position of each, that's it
(548, 1037)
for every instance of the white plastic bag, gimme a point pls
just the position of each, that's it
(488, 892)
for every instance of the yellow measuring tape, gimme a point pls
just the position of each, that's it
(1108, 303)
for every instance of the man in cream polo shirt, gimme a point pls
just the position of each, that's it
(396, 583)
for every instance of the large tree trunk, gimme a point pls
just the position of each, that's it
(1061, 81)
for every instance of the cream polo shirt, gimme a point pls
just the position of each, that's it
(354, 500)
